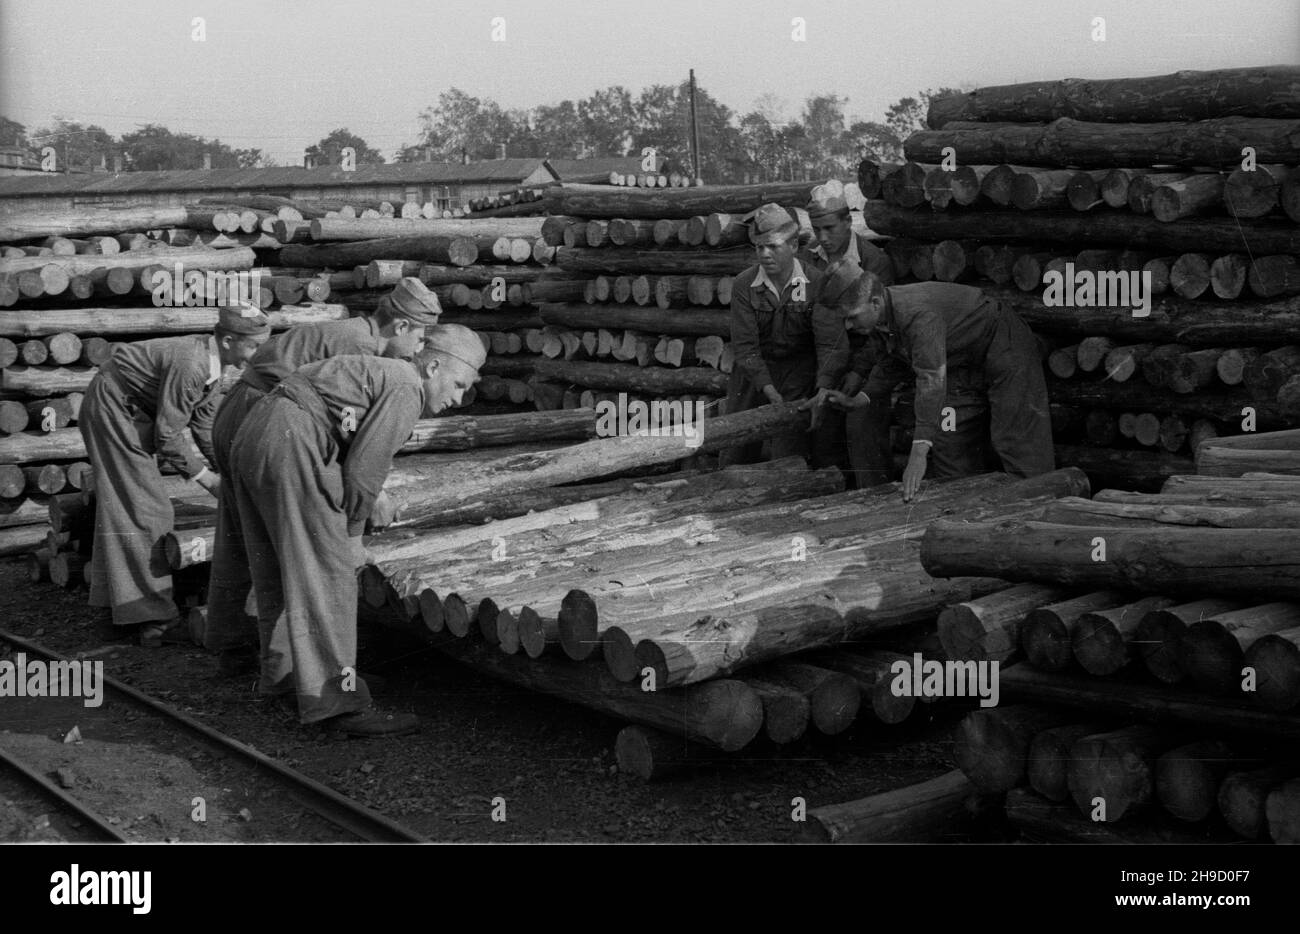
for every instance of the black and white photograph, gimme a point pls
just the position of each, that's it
(777, 422)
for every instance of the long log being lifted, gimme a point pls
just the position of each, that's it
(618, 202)
(1269, 91)
(1065, 142)
(462, 432)
(1188, 235)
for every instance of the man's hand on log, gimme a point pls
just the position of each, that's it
(817, 403)
(209, 481)
(383, 512)
(773, 396)
(914, 473)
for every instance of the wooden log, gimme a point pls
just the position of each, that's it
(833, 697)
(722, 714)
(1271, 276)
(66, 569)
(14, 416)
(21, 539)
(456, 251)
(147, 320)
(1192, 195)
(875, 674)
(1048, 630)
(926, 811)
(1189, 277)
(1188, 778)
(1037, 190)
(1048, 757)
(12, 484)
(1168, 559)
(1267, 91)
(1290, 196)
(1243, 795)
(1213, 651)
(326, 229)
(609, 261)
(1254, 192)
(640, 379)
(652, 755)
(47, 478)
(1065, 142)
(1063, 361)
(191, 259)
(1282, 809)
(1092, 352)
(1112, 774)
(1275, 659)
(1232, 363)
(786, 711)
(188, 548)
(610, 201)
(1160, 634)
(38, 565)
(1225, 235)
(988, 629)
(1122, 362)
(991, 746)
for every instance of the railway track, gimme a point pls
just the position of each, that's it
(351, 821)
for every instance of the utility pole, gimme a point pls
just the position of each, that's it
(695, 132)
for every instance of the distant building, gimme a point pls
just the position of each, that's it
(449, 184)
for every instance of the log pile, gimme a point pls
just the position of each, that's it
(1189, 183)
(1186, 602)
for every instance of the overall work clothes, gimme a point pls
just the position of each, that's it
(861, 436)
(306, 467)
(776, 336)
(132, 419)
(971, 353)
(229, 584)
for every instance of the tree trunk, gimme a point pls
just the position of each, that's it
(723, 714)
(1188, 778)
(340, 228)
(651, 754)
(1251, 563)
(1213, 651)
(1220, 235)
(1254, 193)
(615, 262)
(656, 381)
(988, 629)
(1118, 768)
(1282, 808)
(1134, 396)
(833, 697)
(1267, 91)
(610, 201)
(1046, 633)
(1064, 142)
(872, 670)
(1276, 661)
(147, 320)
(1049, 755)
(191, 259)
(1242, 798)
(456, 251)
(691, 321)
(926, 811)
(786, 711)
(1271, 276)
(32, 224)
(991, 746)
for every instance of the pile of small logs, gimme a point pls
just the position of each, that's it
(1187, 603)
(1189, 180)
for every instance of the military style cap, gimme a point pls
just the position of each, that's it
(770, 224)
(455, 341)
(242, 318)
(412, 299)
(827, 206)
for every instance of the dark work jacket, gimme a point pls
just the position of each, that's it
(767, 328)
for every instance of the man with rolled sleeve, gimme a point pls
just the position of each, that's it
(132, 419)
(782, 341)
(395, 329)
(307, 471)
(980, 391)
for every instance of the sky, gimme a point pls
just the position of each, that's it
(281, 74)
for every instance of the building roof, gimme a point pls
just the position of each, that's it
(497, 171)
(627, 165)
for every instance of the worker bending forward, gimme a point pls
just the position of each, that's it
(308, 466)
(395, 329)
(132, 419)
(979, 378)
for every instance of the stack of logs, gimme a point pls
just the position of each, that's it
(1187, 602)
(1189, 179)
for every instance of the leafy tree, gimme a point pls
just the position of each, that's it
(460, 123)
(155, 148)
(329, 150)
(78, 146)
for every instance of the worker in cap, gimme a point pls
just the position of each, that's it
(981, 397)
(307, 470)
(776, 336)
(133, 419)
(396, 329)
(862, 445)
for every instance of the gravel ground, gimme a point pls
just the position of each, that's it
(480, 740)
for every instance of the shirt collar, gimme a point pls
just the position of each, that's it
(214, 362)
(851, 252)
(761, 280)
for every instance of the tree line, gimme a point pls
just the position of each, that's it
(763, 144)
